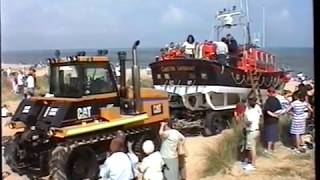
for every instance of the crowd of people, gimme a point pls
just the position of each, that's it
(168, 163)
(298, 106)
(207, 50)
(22, 83)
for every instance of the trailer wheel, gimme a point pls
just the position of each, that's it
(80, 163)
(175, 114)
(213, 124)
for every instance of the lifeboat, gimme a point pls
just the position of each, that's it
(201, 82)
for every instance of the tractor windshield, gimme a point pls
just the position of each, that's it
(81, 79)
(66, 81)
(98, 80)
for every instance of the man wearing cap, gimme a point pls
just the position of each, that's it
(271, 119)
(252, 117)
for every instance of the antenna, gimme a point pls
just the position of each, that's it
(263, 27)
(248, 22)
(247, 9)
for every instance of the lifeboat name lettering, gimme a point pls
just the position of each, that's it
(168, 69)
(177, 68)
(185, 68)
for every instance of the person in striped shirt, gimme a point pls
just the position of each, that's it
(298, 108)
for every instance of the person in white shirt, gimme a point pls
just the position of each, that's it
(222, 52)
(9, 72)
(30, 85)
(128, 150)
(20, 82)
(118, 73)
(151, 165)
(222, 48)
(189, 47)
(118, 165)
(252, 117)
(13, 80)
(169, 150)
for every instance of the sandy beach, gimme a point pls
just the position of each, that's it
(195, 145)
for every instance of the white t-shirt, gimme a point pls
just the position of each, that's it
(151, 166)
(20, 79)
(221, 47)
(4, 112)
(116, 167)
(8, 72)
(169, 146)
(117, 69)
(189, 48)
(253, 115)
(30, 82)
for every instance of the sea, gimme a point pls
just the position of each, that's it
(296, 59)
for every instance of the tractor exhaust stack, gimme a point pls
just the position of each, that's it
(136, 79)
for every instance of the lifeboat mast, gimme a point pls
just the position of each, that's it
(226, 18)
(227, 21)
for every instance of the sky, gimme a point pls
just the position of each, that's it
(70, 24)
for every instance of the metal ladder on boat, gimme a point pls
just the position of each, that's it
(254, 81)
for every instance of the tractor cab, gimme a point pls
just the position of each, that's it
(79, 76)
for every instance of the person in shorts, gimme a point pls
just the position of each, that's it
(252, 117)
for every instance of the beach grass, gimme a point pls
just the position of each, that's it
(284, 127)
(221, 158)
(7, 93)
(42, 85)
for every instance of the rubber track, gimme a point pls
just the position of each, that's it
(57, 163)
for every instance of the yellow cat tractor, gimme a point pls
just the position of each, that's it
(65, 134)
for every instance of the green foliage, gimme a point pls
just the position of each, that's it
(226, 153)
(223, 157)
(42, 84)
(6, 91)
(284, 127)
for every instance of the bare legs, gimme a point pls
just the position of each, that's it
(270, 145)
(252, 156)
(297, 141)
